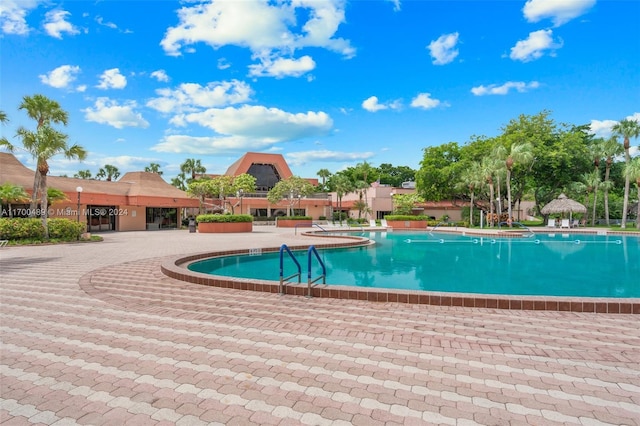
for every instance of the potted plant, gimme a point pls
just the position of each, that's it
(224, 223)
(400, 221)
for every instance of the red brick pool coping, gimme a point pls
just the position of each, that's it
(176, 267)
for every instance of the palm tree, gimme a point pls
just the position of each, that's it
(471, 180)
(179, 181)
(83, 174)
(632, 172)
(11, 194)
(521, 153)
(192, 167)
(108, 171)
(610, 148)
(153, 168)
(593, 182)
(324, 174)
(627, 129)
(488, 169)
(3, 119)
(44, 144)
(45, 111)
(341, 185)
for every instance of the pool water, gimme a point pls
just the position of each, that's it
(544, 264)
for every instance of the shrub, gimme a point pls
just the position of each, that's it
(31, 228)
(401, 217)
(65, 229)
(224, 218)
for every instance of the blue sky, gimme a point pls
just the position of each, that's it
(327, 84)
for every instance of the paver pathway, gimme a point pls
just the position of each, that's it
(95, 334)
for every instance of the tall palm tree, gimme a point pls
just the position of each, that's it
(192, 167)
(83, 174)
(44, 144)
(341, 185)
(45, 112)
(610, 148)
(498, 156)
(626, 129)
(471, 180)
(324, 174)
(632, 172)
(521, 153)
(488, 167)
(593, 182)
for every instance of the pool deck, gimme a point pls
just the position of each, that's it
(95, 333)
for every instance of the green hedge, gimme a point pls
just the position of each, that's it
(402, 217)
(224, 218)
(31, 228)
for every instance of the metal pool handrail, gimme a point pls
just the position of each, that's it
(312, 250)
(284, 248)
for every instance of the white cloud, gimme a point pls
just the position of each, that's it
(303, 157)
(107, 111)
(269, 30)
(261, 123)
(602, 128)
(443, 49)
(160, 75)
(191, 96)
(494, 89)
(559, 11)
(112, 79)
(223, 64)
(425, 101)
(207, 145)
(13, 15)
(281, 67)
(55, 24)
(81, 88)
(396, 5)
(533, 47)
(372, 104)
(60, 77)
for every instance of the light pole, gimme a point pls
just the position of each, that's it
(79, 191)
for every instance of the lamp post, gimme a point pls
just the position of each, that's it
(79, 191)
(299, 197)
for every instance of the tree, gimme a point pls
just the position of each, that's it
(83, 174)
(192, 167)
(592, 182)
(626, 129)
(610, 149)
(54, 194)
(108, 171)
(341, 185)
(324, 174)
(471, 180)
(153, 168)
(521, 153)
(43, 145)
(632, 172)
(439, 171)
(403, 203)
(45, 112)
(12, 194)
(394, 176)
(180, 181)
(290, 189)
(3, 120)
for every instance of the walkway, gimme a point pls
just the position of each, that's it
(95, 334)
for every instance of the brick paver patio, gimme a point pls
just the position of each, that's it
(96, 334)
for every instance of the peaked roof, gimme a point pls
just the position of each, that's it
(132, 184)
(243, 163)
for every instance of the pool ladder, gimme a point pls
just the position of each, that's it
(312, 250)
(519, 225)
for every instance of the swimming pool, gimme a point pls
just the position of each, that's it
(542, 265)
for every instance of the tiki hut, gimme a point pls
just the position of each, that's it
(563, 205)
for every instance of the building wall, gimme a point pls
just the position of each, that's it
(133, 219)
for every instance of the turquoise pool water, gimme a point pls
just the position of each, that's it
(545, 264)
